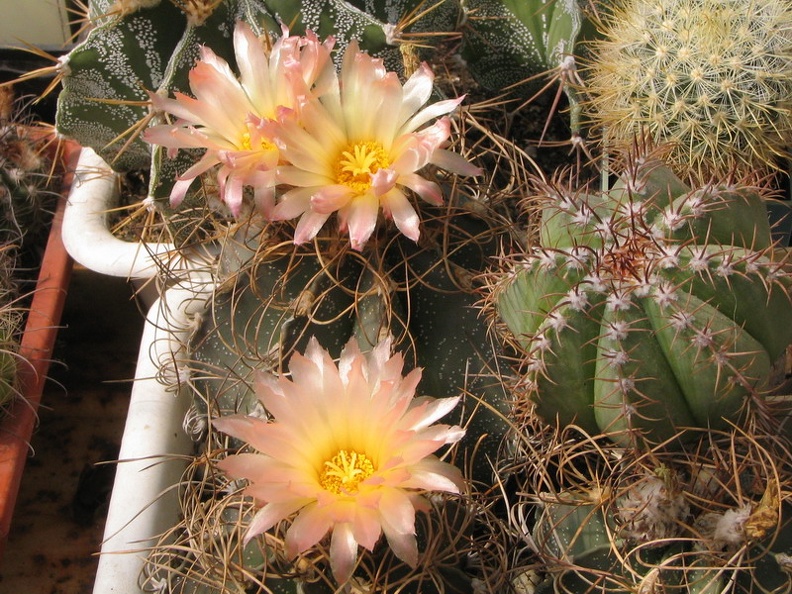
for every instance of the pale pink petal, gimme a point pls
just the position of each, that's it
(308, 226)
(329, 199)
(182, 106)
(294, 176)
(396, 206)
(292, 204)
(232, 193)
(349, 354)
(398, 523)
(426, 411)
(253, 65)
(454, 163)
(427, 190)
(343, 552)
(179, 191)
(385, 122)
(308, 528)
(418, 446)
(181, 137)
(366, 529)
(417, 91)
(383, 181)
(431, 112)
(432, 474)
(209, 160)
(252, 430)
(269, 515)
(360, 217)
(264, 192)
(220, 106)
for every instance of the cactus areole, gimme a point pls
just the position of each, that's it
(648, 309)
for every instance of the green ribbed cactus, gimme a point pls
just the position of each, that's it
(648, 308)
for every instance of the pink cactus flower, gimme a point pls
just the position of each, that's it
(349, 450)
(358, 149)
(225, 115)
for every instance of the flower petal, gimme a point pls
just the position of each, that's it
(398, 523)
(343, 552)
(269, 515)
(396, 206)
(360, 217)
(308, 528)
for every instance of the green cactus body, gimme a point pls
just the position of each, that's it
(151, 46)
(106, 78)
(254, 325)
(711, 77)
(648, 309)
(274, 307)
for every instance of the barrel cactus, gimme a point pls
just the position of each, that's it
(657, 521)
(710, 77)
(647, 309)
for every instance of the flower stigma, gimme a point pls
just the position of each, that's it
(345, 471)
(358, 163)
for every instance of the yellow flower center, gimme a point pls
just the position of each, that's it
(343, 472)
(247, 145)
(358, 162)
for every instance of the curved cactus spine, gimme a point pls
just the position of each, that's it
(647, 309)
(257, 322)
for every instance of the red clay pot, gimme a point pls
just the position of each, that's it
(35, 354)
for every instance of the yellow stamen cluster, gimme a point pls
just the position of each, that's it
(246, 144)
(358, 163)
(345, 471)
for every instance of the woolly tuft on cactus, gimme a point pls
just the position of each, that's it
(713, 77)
(649, 308)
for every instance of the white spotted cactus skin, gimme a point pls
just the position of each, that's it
(649, 308)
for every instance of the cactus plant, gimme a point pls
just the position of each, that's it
(26, 205)
(712, 78)
(139, 47)
(604, 518)
(373, 140)
(645, 311)
(648, 308)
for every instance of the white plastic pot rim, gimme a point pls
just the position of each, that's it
(89, 241)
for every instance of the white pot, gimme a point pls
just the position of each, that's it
(154, 447)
